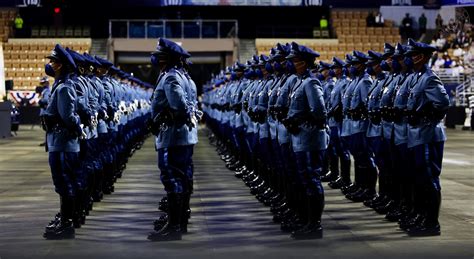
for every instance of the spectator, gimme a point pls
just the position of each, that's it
(379, 21)
(18, 25)
(462, 39)
(439, 22)
(458, 51)
(448, 62)
(370, 20)
(422, 23)
(441, 43)
(407, 27)
(323, 23)
(438, 64)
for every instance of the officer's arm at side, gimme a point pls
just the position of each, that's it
(436, 93)
(66, 107)
(175, 94)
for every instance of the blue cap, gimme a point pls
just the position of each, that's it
(374, 57)
(324, 66)
(228, 70)
(103, 62)
(61, 55)
(337, 62)
(358, 57)
(239, 66)
(254, 61)
(349, 58)
(419, 47)
(301, 52)
(184, 53)
(168, 47)
(399, 50)
(91, 60)
(78, 58)
(388, 50)
(114, 69)
(281, 51)
(263, 59)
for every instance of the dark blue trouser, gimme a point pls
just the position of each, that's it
(66, 173)
(365, 170)
(427, 164)
(173, 164)
(308, 167)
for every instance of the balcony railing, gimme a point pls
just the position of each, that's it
(198, 29)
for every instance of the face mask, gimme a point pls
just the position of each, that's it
(233, 76)
(48, 69)
(268, 67)
(396, 66)
(277, 66)
(259, 73)
(384, 65)
(290, 67)
(370, 70)
(353, 71)
(321, 77)
(250, 74)
(344, 71)
(154, 60)
(332, 73)
(408, 62)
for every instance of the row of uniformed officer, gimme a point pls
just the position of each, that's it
(174, 123)
(269, 120)
(93, 124)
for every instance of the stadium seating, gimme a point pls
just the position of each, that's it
(352, 33)
(25, 60)
(6, 19)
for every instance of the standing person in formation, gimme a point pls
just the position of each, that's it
(63, 130)
(427, 105)
(172, 126)
(306, 122)
(44, 99)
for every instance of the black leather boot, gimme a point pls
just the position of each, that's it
(64, 229)
(430, 225)
(185, 213)
(163, 204)
(79, 214)
(172, 229)
(313, 229)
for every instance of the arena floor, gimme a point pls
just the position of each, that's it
(227, 221)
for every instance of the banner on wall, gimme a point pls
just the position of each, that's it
(27, 98)
(2, 73)
(458, 2)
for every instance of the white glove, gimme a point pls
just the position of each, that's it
(117, 117)
(83, 133)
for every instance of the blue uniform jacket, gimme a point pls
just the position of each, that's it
(63, 106)
(400, 103)
(336, 99)
(43, 102)
(428, 93)
(306, 99)
(373, 104)
(359, 98)
(283, 102)
(170, 94)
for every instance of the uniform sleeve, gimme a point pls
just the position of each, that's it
(436, 94)
(364, 90)
(175, 94)
(315, 97)
(67, 107)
